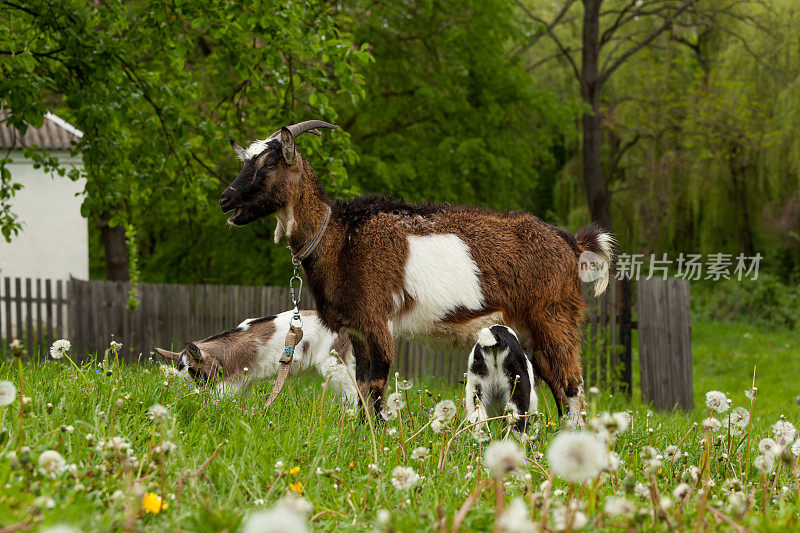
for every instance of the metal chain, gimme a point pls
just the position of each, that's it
(296, 294)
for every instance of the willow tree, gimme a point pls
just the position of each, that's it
(595, 39)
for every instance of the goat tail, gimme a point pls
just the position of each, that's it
(594, 239)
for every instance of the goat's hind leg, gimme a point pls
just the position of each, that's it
(559, 362)
(381, 350)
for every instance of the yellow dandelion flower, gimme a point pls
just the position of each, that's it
(294, 470)
(152, 503)
(296, 487)
(659, 471)
(551, 424)
(352, 464)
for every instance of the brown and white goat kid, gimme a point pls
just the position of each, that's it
(383, 268)
(251, 351)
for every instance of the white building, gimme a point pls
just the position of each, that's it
(54, 240)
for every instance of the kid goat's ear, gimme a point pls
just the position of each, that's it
(175, 356)
(287, 145)
(241, 151)
(486, 338)
(194, 351)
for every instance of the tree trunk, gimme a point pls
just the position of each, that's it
(596, 189)
(738, 169)
(116, 249)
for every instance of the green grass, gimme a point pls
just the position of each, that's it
(332, 451)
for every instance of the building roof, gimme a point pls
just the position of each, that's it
(55, 134)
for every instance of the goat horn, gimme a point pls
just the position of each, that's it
(309, 126)
(175, 356)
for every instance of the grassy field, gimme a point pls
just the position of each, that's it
(228, 460)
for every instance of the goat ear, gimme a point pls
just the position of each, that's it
(287, 145)
(194, 351)
(175, 356)
(241, 151)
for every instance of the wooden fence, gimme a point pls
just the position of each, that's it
(34, 310)
(665, 349)
(91, 314)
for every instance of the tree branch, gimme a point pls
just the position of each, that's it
(564, 51)
(607, 72)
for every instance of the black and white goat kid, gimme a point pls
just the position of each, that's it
(499, 374)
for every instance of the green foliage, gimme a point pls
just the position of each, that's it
(450, 115)
(158, 87)
(765, 302)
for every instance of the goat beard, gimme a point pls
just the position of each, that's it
(285, 225)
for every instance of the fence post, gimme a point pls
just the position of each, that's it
(665, 350)
(625, 337)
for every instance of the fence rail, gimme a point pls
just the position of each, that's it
(93, 313)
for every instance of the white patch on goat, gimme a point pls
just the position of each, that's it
(245, 325)
(313, 351)
(606, 242)
(440, 276)
(227, 388)
(575, 407)
(256, 147)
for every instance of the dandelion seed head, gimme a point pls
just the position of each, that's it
(59, 348)
(515, 518)
(739, 417)
(276, 520)
(671, 452)
(383, 517)
(437, 426)
(51, 464)
(8, 393)
(680, 491)
(561, 519)
(296, 504)
(764, 463)
(445, 410)
(618, 506)
(717, 401)
(796, 448)
(404, 477)
(405, 384)
(420, 454)
(711, 424)
(479, 434)
(395, 401)
(577, 456)
(784, 432)
(61, 528)
(768, 446)
(503, 457)
(158, 413)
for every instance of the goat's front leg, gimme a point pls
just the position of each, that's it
(476, 412)
(362, 357)
(381, 352)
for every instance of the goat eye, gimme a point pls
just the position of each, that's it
(198, 376)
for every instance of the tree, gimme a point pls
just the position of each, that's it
(158, 87)
(611, 33)
(449, 115)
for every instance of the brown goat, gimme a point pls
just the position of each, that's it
(384, 268)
